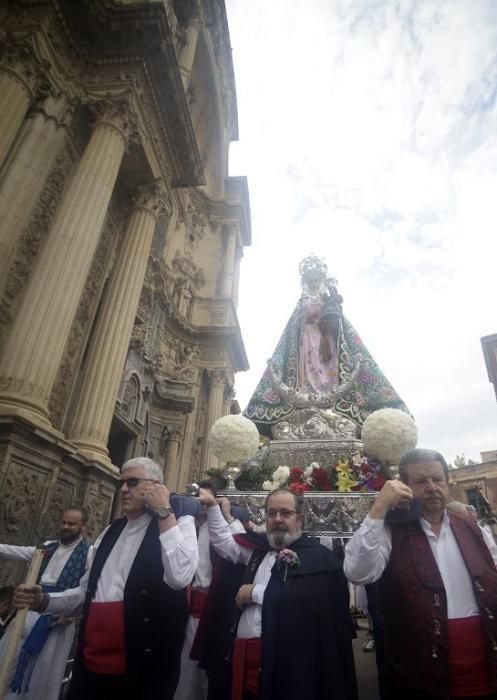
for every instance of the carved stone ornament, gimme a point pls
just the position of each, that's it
(217, 377)
(18, 58)
(117, 112)
(184, 267)
(154, 198)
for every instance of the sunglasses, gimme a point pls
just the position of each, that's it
(132, 482)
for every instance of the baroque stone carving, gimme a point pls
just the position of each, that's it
(19, 59)
(24, 486)
(82, 321)
(119, 113)
(154, 198)
(175, 359)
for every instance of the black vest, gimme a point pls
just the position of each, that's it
(155, 615)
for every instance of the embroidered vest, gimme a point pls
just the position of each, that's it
(415, 605)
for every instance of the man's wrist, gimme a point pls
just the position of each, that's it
(45, 599)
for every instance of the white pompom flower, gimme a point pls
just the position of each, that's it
(389, 433)
(234, 439)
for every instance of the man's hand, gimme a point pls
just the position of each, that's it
(225, 509)
(206, 497)
(394, 494)
(155, 495)
(27, 596)
(64, 621)
(244, 595)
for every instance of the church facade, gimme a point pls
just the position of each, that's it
(121, 237)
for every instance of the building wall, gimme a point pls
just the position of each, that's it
(466, 483)
(121, 236)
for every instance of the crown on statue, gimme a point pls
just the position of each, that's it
(313, 264)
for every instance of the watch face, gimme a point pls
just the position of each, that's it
(163, 511)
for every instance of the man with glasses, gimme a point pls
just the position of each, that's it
(293, 629)
(134, 598)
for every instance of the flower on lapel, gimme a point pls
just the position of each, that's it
(286, 558)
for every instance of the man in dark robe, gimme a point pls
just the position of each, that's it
(293, 630)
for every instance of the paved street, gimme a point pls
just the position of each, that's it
(365, 669)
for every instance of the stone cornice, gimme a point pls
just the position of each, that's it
(87, 26)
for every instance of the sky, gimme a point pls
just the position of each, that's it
(368, 133)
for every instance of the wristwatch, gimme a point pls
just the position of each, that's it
(163, 512)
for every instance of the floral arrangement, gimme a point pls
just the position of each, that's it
(279, 478)
(356, 473)
(287, 558)
(234, 439)
(389, 433)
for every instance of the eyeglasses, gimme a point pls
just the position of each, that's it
(284, 512)
(132, 482)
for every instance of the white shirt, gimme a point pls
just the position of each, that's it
(368, 552)
(203, 574)
(250, 624)
(57, 561)
(179, 555)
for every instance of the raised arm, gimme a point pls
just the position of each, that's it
(220, 534)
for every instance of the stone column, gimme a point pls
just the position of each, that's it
(236, 276)
(94, 405)
(229, 395)
(29, 164)
(171, 468)
(215, 407)
(19, 74)
(35, 345)
(187, 53)
(229, 263)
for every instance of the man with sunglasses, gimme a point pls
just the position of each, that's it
(134, 598)
(292, 625)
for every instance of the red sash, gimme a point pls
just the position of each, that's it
(103, 646)
(468, 657)
(197, 603)
(246, 666)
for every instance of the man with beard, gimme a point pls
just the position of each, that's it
(293, 630)
(42, 655)
(437, 583)
(134, 596)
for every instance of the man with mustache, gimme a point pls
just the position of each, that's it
(437, 582)
(293, 630)
(47, 640)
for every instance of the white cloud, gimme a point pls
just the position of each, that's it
(368, 131)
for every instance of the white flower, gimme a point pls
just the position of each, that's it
(389, 433)
(281, 475)
(312, 466)
(267, 486)
(234, 439)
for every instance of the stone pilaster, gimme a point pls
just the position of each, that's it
(34, 347)
(229, 262)
(19, 75)
(94, 406)
(236, 276)
(29, 164)
(215, 408)
(171, 468)
(187, 53)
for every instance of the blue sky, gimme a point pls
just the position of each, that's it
(368, 132)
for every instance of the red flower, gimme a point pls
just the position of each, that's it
(298, 487)
(296, 475)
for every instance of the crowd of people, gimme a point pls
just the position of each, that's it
(210, 608)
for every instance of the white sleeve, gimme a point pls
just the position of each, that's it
(258, 593)
(12, 551)
(221, 538)
(179, 553)
(236, 527)
(367, 552)
(490, 542)
(68, 602)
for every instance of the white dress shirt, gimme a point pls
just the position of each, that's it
(250, 624)
(203, 574)
(57, 562)
(179, 554)
(368, 552)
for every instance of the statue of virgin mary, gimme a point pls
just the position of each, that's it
(320, 362)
